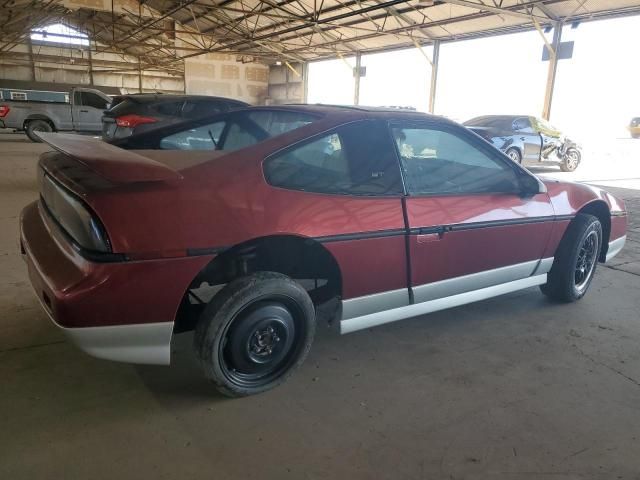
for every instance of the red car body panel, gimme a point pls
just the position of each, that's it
(79, 293)
(370, 265)
(211, 202)
(470, 250)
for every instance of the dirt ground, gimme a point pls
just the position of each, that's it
(510, 388)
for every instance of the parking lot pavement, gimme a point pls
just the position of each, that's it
(510, 388)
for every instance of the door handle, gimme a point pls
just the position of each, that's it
(430, 234)
(84, 111)
(428, 237)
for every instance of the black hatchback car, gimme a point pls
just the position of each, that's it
(139, 113)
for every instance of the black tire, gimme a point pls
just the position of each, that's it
(514, 154)
(236, 349)
(564, 282)
(37, 126)
(571, 160)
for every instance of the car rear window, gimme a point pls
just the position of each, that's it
(122, 105)
(235, 131)
(171, 109)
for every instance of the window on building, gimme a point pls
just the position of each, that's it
(59, 33)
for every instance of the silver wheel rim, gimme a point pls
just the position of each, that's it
(572, 160)
(513, 155)
(586, 261)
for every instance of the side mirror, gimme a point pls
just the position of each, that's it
(530, 186)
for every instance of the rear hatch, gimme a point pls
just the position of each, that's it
(130, 113)
(113, 163)
(114, 201)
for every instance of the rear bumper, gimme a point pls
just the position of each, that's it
(121, 311)
(146, 343)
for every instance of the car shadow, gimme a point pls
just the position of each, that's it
(183, 379)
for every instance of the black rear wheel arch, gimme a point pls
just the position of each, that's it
(302, 259)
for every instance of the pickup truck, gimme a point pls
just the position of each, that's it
(82, 113)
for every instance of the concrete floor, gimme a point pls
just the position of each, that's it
(510, 388)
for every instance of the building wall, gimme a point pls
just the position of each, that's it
(63, 64)
(222, 75)
(285, 86)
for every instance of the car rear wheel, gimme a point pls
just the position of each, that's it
(37, 126)
(571, 160)
(514, 154)
(255, 333)
(576, 259)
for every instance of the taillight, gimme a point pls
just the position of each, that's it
(133, 121)
(4, 109)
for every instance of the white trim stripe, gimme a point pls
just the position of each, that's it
(388, 316)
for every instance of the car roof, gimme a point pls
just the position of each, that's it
(352, 111)
(504, 117)
(162, 97)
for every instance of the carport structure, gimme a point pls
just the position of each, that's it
(160, 35)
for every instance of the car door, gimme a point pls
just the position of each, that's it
(344, 187)
(531, 140)
(88, 109)
(550, 135)
(469, 228)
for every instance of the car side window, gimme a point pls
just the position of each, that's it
(205, 137)
(235, 130)
(356, 159)
(439, 161)
(521, 124)
(89, 99)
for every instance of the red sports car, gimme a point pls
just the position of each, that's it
(249, 226)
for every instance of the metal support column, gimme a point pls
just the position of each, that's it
(305, 82)
(90, 64)
(434, 76)
(31, 62)
(553, 68)
(356, 75)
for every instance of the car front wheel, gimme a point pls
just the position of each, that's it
(571, 160)
(255, 333)
(576, 259)
(514, 155)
